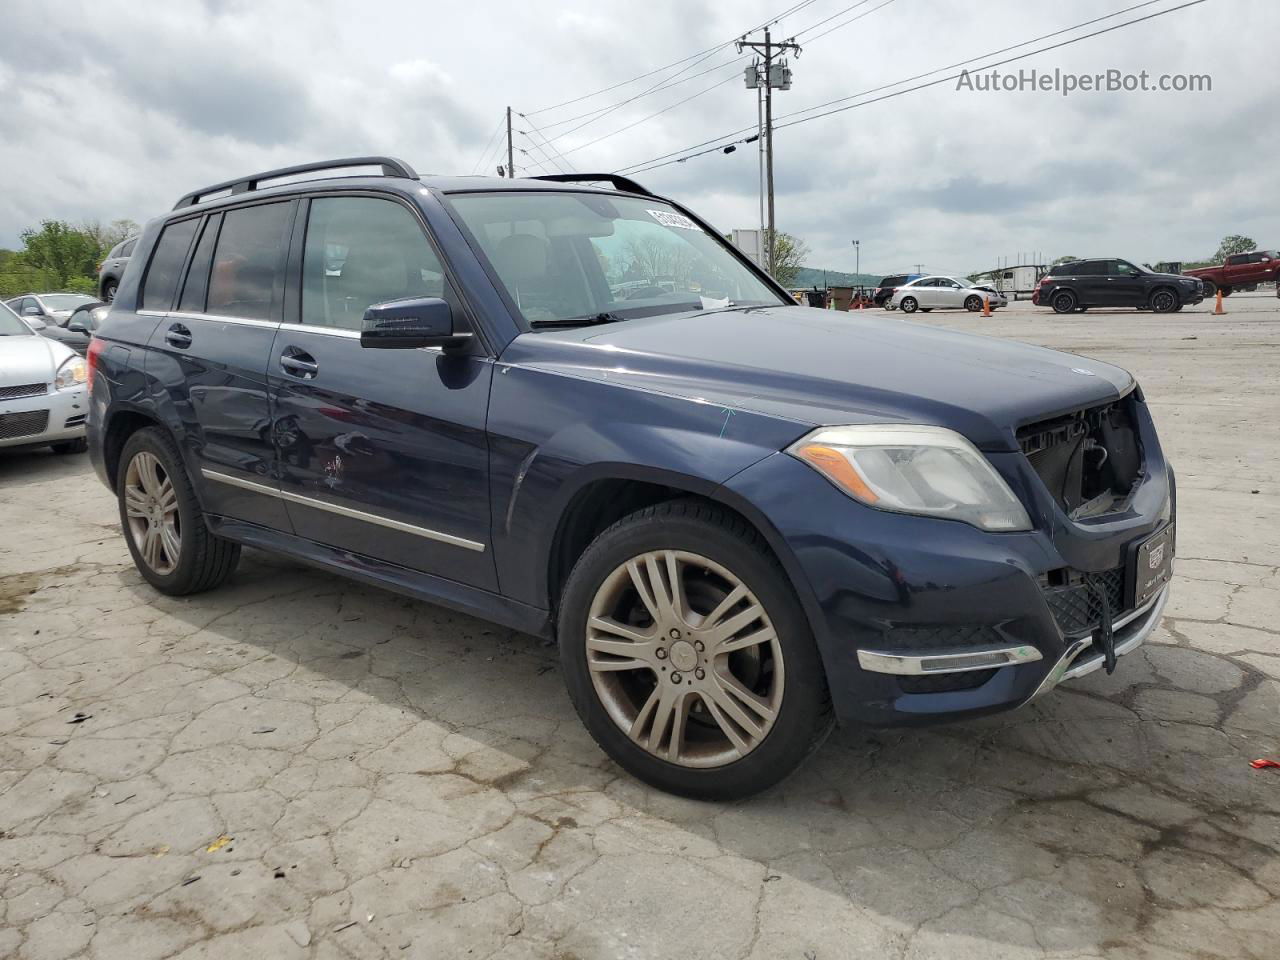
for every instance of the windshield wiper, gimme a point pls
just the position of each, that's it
(578, 321)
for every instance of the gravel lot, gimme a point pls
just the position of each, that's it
(299, 766)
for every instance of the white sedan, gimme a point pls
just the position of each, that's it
(944, 293)
(43, 399)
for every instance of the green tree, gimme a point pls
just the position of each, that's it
(60, 252)
(787, 257)
(1232, 245)
(1063, 260)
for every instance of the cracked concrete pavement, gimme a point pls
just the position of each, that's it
(300, 766)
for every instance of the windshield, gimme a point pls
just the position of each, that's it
(11, 324)
(65, 301)
(585, 256)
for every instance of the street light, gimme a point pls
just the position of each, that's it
(857, 252)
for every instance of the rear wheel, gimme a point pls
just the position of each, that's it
(1210, 288)
(687, 655)
(1164, 300)
(164, 526)
(1064, 301)
(909, 305)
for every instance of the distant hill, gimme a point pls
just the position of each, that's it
(809, 277)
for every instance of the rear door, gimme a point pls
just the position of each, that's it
(1091, 281)
(383, 453)
(210, 353)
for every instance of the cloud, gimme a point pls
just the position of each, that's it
(129, 106)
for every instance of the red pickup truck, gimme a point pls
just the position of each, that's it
(1240, 270)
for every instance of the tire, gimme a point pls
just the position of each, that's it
(908, 305)
(1164, 300)
(1210, 289)
(714, 553)
(973, 304)
(79, 445)
(109, 290)
(1064, 301)
(151, 475)
(1178, 308)
(1226, 291)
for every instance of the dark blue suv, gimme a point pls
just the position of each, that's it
(567, 406)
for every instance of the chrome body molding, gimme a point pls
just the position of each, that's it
(917, 665)
(341, 511)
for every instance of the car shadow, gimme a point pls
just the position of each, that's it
(1118, 812)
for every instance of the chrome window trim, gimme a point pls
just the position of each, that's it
(220, 318)
(341, 510)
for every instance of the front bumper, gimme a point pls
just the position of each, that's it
(922, 620)
(52, 417)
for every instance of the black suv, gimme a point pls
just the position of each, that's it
(1080, 284)
(889, 284)
(738, 516)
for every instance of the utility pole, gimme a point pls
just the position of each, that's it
(511, 169)
(781, 79)
(857, 255)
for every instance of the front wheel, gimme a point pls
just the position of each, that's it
(909, 305)
(172, 547)
(109, 291)
(687, 655)
(973, 304)
(1064, 302)
(1164, 301)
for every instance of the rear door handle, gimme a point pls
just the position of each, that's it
(178, 336)
(298, 363)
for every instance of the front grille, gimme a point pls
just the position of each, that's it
(23, 390)
(1089, 460)
(946, 682)
(915, 639)
(1078, 609)
(25, 424)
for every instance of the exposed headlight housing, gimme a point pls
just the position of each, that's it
(922, 470)
(73, 373)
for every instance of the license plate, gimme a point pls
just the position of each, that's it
(1153, 565)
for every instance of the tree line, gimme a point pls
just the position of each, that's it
(58, 257)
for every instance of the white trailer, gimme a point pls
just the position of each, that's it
(1016, 282)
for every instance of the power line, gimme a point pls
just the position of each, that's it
(546, 156)
(719, 46)
(548, 146)
(720, 142)
(849, 21)
(838, 13)
(489, 146)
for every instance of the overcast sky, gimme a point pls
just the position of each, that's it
(114, 110)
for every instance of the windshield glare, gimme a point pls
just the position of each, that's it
(64, 301)
(563, 256)
(11, 325)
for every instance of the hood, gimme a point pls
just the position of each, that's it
(819, 367)
(1171, 276)
(33, 359)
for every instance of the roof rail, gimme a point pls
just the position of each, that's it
(619, 182)
(391, 167)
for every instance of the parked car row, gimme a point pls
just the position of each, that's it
(43, 400)
(898, 524)
(69, 318)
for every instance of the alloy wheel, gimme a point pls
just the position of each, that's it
(1163, 302)
(684, 658)
(151, 511)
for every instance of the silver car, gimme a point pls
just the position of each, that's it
(944, 293)
(43, 395)
(52, 308)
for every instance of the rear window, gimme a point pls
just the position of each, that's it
(166, 264)
(249, 261)
(894, 281)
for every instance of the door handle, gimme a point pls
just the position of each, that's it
(178, 336)
(299, 363)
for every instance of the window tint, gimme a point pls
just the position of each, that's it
(1238, 259)
(896, 281)
(1123, 268)
(361, 251)
(248, 261)
(166, 264)
(197, 282)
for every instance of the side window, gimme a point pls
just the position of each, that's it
(166, 264)
(361, 251)
(127, 249)
(248, 261)
(197, 283)
(1124, 269)
(1237, 259)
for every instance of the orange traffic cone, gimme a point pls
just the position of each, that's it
(1217, 310)
(986, 306)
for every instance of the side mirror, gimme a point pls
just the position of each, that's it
(410, 324)
(31, 311)
(77, 325)
(35, 323)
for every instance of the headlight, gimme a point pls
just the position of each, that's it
(923, 470)
(71, 374)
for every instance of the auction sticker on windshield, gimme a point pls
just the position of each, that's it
(669, 219)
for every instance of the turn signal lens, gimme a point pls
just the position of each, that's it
(833, 463)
